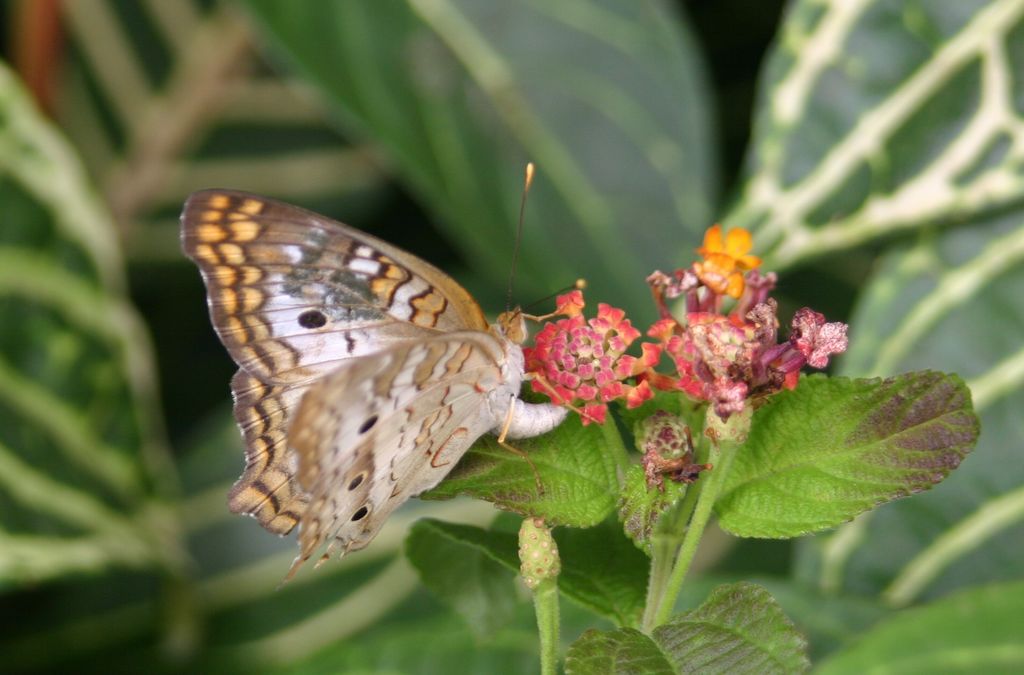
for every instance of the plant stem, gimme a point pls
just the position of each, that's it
(545, 603)
(721, 456)
(665, 542)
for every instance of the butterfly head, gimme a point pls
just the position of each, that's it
(512, 326)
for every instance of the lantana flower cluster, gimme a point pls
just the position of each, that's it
(583, 363)
(724, 348)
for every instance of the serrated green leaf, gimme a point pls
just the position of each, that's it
(829, 621)
(464, 573)
(578, 467)
(460, 130)
(881, 116)
(618, 652)
(739, 629)
(640, 507)
(819, 455)
(83, 466)
(973, 631)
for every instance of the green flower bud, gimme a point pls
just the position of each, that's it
(665, 435)
(538, 554)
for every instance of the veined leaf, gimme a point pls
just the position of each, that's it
(738, 629)
(82, 458)
(879, 116)
(833, 447)
(166, 98)
(829, 621)
(459, 131)
(616, 652)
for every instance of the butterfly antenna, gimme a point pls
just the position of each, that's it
(578, 285)
(519, 233)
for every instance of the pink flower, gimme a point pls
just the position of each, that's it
(815, 339)
(728, 359)
(583, 363)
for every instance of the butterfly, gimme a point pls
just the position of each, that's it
(365, 373)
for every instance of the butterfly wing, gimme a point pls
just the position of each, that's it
(292, 294)
(267, 489)
(385, 427)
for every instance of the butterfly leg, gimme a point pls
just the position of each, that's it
(516, 451)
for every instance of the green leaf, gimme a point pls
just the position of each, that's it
(459, 101)
(739, 629)
(829, 621)
(603, 571)
(950, 301)
(832, 448)
(973, 631)
(882, 116)
(463, 572)
(640, 507)
(578, 468)
(618, 652)
(84, 469)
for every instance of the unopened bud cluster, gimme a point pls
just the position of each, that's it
(538, 554)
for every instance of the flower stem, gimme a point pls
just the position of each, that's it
(665, 542)
(721, 456)
(545, 604)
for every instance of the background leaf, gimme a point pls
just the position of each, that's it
(601, 570)
(465, 574)
(833, 448)
(163, 99)
(968, 632)
(966, 531)
(460, 130)
(83, 466)
(879, 117)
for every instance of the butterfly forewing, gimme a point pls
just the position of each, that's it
(292, 294)
(386, 427)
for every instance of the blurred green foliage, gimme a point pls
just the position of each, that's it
(882, 177)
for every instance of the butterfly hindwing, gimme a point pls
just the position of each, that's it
(292, 293)
(386, 427)
(268, 490)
